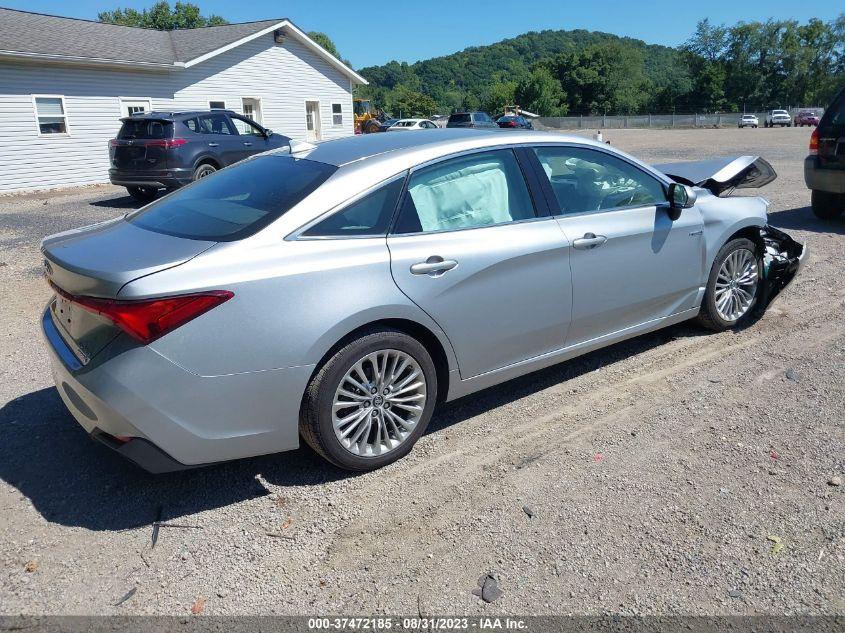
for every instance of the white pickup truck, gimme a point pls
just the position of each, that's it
(778, 117)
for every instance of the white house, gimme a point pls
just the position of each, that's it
(65, 83)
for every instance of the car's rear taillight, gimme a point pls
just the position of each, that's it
(149, 319)
(814, 141)
(112, 142)
(166, 143)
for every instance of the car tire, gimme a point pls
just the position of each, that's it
(203, 170)
(712, 316)
(143, 194)
(375, 420)
(826, 205)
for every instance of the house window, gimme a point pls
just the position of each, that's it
(337, 114)
(216, 105)
(51, 114)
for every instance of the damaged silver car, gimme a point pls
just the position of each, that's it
(337, 293)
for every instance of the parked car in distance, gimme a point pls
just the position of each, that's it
(778, 117)
(412, 124)
(471, 119)
(824, 167)
(166, 150)
(512, 121)
(806, 117)
(748, 120)
(385, 125)
(231, 317)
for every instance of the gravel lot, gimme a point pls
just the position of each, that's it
(663, 474)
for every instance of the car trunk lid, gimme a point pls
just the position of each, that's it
(97, 261)
(722, 174)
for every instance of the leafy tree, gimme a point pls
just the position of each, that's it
(541, 93)
(501, 93)
(405, 102)
(326, 42)
(183, 15)
(601, 78)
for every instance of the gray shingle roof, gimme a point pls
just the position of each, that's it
(35, 33)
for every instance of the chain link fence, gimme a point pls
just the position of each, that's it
(645, 121)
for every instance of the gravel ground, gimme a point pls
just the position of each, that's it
(677, 473)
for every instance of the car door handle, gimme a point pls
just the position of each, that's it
(247, 144)
(434, 266)
(213, 144)
(590, 240)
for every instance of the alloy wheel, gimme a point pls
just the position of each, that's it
(379, 402)
(736, 284)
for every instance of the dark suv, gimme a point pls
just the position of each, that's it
(471, 119)
(165, 150)
(824, 168)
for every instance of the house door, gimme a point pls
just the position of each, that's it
(128, 107)
(312, 120)
(252, 109)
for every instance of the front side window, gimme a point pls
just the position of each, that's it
(590, 180)
(50, 112)
(337, 114)
(477, 190)
(370, 215)
(234, 202)
(247, 127)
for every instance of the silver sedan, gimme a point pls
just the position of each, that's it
(338, 292)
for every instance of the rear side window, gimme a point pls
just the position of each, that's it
(459, 118)
(370, 215)
(215, 124)
(234, 202)
(145, 128)
(470, 191)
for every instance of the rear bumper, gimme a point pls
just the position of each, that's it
(830, 180)
(168, 418)
(169, 178)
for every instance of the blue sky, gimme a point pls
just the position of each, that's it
(409, 31)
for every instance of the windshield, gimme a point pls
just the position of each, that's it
(234, 202)
(361, 107)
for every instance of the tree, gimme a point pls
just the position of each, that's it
(541, 93)
(501, 93)
(326, 42)
(405, 102)
(184, 15)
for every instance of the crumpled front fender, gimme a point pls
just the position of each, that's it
(783, 259)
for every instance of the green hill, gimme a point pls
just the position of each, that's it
(751, 65)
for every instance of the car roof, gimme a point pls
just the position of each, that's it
(162, 114)
(351, 149)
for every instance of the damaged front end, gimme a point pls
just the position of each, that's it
(783, 258)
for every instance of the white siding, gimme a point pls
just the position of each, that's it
(282, 76)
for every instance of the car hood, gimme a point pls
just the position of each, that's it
(722, 174)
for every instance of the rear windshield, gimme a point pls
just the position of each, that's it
(145, 128)
(234, 202)
(834, 116)
(459, 118)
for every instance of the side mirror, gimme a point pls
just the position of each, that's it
(268, 132)
(680, 197)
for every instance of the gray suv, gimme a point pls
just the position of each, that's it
(824, 168)
(472, 119)
(165, 150)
